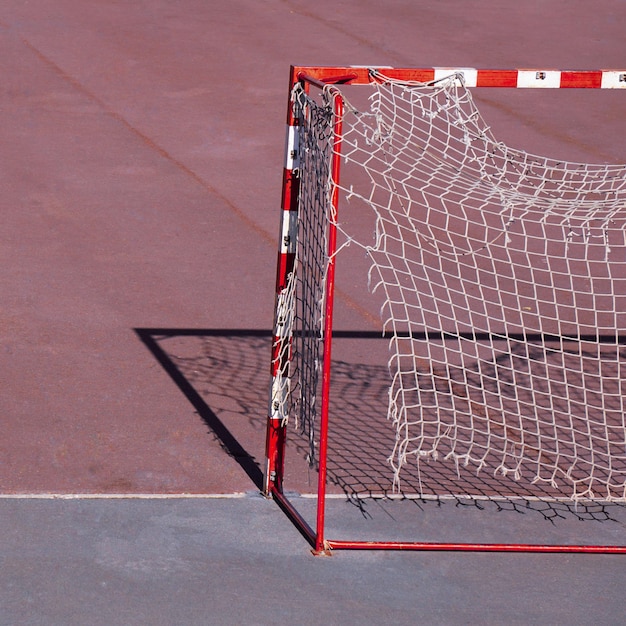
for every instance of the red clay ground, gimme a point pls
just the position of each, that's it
(141, 155)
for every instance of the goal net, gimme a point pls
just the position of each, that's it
(501, 278)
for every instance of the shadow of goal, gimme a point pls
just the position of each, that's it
(221, 371)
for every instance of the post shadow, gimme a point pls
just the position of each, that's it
(149, 337)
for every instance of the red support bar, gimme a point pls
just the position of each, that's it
(300, 523)
(338, 107)
(472, 547)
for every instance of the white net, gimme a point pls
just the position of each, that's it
(503, 277)
(299, 319)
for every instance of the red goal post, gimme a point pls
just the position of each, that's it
(329, 79)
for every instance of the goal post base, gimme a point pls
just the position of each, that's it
(472, 547)
(325, 551)
(321, 546)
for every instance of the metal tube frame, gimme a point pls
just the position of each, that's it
(325, 78)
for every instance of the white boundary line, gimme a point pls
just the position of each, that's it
(258, 494)
(125, 496)
(399, 497)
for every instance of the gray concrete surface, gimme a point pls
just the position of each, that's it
(240, 561)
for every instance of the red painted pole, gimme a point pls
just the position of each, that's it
(276, 433)
(338, 107)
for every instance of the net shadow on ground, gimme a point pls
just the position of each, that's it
(210, 376)
(224, 373)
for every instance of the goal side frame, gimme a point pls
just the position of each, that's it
(315, 77)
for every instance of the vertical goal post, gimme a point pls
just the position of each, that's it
(301, 367)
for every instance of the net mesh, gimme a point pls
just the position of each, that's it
(503, 279)
(300, 319)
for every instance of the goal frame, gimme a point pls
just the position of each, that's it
(316, 77)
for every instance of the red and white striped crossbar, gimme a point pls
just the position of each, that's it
(519, 78)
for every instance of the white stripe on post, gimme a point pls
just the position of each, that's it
(470, 74)
(292, 160)
(278, 408)
(613, 80)
(289, 225)
(537, 79)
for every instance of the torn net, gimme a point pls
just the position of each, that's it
(503, 277)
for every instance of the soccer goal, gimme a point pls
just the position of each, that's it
(497, 279)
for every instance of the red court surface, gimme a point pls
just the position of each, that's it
(141, 155)
(142, 151)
